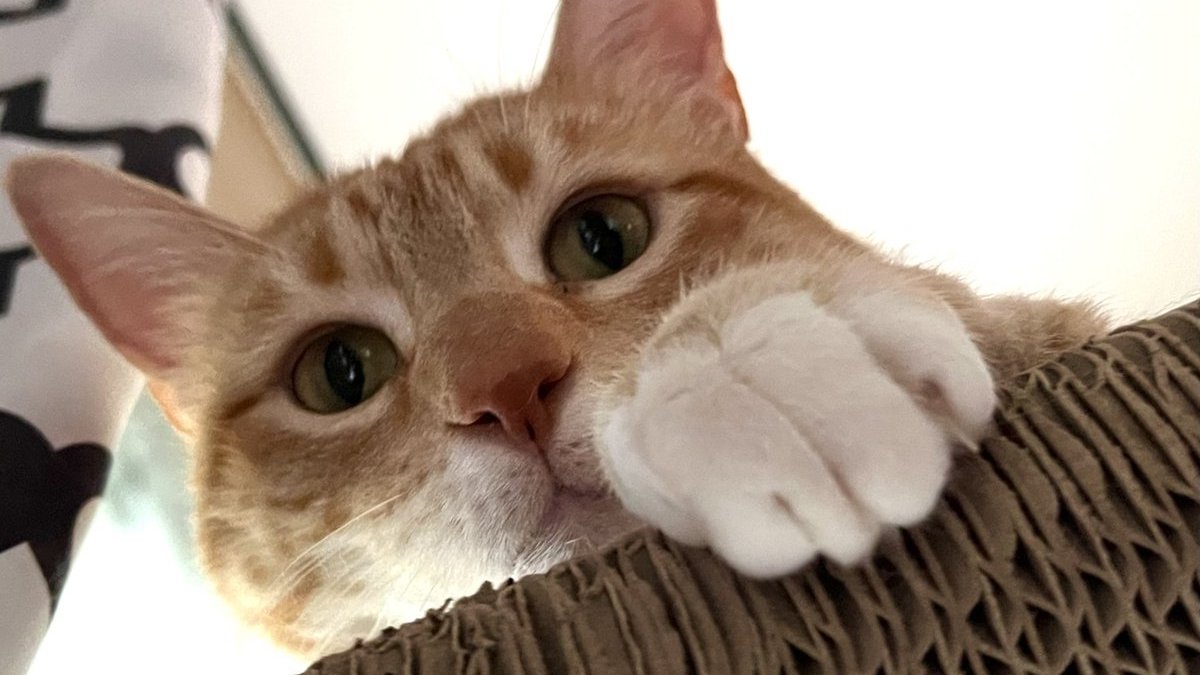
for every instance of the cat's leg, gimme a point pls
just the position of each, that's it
(1017, 333)
(783, 412)
(1014, 332)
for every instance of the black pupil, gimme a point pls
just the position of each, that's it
(601, 239)
(344, 372)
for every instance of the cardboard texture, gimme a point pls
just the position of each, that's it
(1069, 544)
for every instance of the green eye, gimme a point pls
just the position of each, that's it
(597, 237)
(343, 368)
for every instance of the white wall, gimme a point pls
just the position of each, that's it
(1033, 145)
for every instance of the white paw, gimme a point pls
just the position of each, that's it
(793, 430)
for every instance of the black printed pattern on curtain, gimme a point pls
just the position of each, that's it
(132, 84)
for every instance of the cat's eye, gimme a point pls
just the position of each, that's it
(343, 368)
(597, 237)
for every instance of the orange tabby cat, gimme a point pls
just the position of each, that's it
(561, 313)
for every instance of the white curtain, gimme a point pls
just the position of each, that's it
(133, 84)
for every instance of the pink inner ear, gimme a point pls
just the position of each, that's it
(133, 256)
(600, 39)
(135, 272)
(130, 308)
(689, 31)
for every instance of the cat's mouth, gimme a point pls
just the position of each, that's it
(579, 514)
(573, 523)
(578, 490)
(576, 511)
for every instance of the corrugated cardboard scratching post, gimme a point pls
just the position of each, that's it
(1070, 544)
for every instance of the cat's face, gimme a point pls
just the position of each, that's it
(392, 388)
(446, 252)
(449, 252)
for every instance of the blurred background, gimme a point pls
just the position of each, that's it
(1038, 146)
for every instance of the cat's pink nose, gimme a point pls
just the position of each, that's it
(500, 357)
(512, 394)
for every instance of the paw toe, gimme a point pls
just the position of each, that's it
(757, 536)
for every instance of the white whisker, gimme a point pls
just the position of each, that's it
(307, 554)
(503, 113)
(542, 41)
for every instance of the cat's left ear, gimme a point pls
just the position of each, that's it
(141, 262)
(608, 40)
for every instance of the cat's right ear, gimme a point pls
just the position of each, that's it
(136, 258)
(598, 42)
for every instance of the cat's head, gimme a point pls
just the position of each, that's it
(391, 388)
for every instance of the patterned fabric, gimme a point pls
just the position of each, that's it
(132, 84)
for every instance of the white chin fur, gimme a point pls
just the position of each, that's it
(479, 522)
(797, 435)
